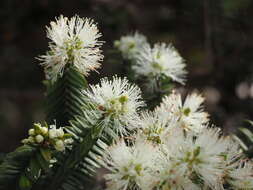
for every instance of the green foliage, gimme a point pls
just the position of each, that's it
(75, 169)
(29, 168)
(64, 97)
(244, 136)
(66, 105)
(21, 169)
(2, 156)
(12, 169)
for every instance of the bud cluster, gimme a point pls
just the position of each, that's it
(48, 137)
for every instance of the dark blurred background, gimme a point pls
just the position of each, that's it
(214, 37)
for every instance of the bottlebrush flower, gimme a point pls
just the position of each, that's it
(73, 41)
(130, 167)
(130, 45)
(190, 114)
(202, 155)
(160, 61)
(117, 101)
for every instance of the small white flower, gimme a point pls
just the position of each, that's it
(242, 176)
(39, 138)
(25, 141)
(130, 166)
(190, 114)
(59, 145)
(59, 132)
(159, 61)
(116, 100)
(31, 139)
(74, 41)
(130, 45)
(31, 132)
(44, 130)
(68, 141)
(52, 132)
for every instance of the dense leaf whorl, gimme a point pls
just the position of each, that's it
(64, 97)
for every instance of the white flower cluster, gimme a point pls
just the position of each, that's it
(116, 101)
(186, 160)
(130, 45)
(172, 112)
(160, 61)
(48, 137)
(175, 149)
(74, 41)
(170, 148)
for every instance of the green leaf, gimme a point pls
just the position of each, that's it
(82, 159)
(34, 169)
(241, 143)
(65, 98)
(24, 183)
(44, 164)
(250, 122)
(14, 165)
(244, 136)
(46, 153)
(67, 136)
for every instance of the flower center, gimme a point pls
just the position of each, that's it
(131, 45)
(156, 66)
(186, 111)
(193, 157)
(153, 133)
(116, 106)
(132, 171)
(71, 46)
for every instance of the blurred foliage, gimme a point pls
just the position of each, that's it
(244, 135)
(214, 37)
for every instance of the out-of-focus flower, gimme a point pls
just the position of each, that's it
(160, 61)
(242, 90)
(130, 45)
